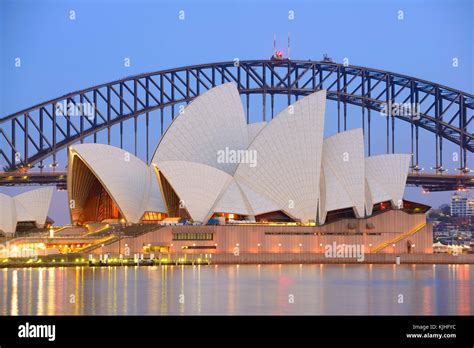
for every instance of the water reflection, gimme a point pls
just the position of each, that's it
(14, 298)
(244, 289)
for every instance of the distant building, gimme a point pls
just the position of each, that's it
(462, 205)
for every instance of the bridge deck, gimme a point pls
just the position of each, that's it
(428, 181)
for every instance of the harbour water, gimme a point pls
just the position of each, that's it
(240, 290)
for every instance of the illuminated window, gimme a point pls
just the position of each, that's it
(153, 217)
(192, 236)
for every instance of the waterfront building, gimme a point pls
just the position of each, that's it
(276, 180)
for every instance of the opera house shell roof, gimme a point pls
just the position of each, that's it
(210, 161)
(30, 206)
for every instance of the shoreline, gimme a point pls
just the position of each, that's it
(244, 259)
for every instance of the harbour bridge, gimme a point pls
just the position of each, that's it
(31, 139)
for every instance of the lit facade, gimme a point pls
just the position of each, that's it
(462, 205)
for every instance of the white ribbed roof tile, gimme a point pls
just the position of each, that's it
(126, 178)
(197, 185)
(210, 123)
(289, 150)
(344, 172)
(7, 214)
(34, 205)
(386, 176)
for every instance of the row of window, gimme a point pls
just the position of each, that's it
(210, 236)
(340, 233)
(290, 233)
(316, 233)
(192, 236)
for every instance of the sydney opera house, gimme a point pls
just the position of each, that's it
(216, 182)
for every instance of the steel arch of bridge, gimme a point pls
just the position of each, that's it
(30, 136)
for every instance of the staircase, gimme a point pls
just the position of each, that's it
(398, 238)
(127, 232)
(98, 243)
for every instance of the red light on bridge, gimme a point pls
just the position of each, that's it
(278, 55)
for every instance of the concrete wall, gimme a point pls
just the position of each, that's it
(321, 258)
(283, 240)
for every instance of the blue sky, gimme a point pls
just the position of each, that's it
(59, 55)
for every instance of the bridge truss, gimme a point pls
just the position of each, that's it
(31, 136)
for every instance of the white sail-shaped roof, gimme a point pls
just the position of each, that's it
(233, 201)
(369, 204)
(259, 203)
(253, 129)
(8, 219)
(211, 123)
(375, 189)
(126, 178)
(197, 185)
(22, 213)
(344, 174)
(34, 205)
(289, 150)
(386, 176)
(154, 201)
